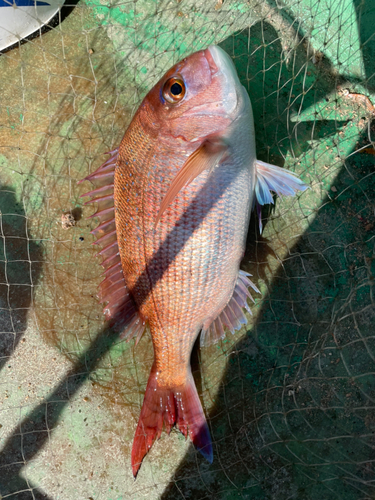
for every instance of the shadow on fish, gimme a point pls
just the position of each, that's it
(174, 204)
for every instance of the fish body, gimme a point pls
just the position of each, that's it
(182, 271)
(184, 178)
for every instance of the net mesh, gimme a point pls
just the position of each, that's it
(289, 400)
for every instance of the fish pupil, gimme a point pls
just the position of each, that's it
(176, 89)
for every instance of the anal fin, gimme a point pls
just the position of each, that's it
(232, 316)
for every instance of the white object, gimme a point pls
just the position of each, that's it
(21, 18)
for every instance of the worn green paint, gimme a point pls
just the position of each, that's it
(332, 27)
(134, 36)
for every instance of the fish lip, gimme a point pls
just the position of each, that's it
(222, 67)
(211, 61)
(218, 60)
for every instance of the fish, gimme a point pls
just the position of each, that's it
(174, 203)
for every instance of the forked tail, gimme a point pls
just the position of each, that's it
(180, 406)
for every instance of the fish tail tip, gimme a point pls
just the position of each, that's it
(137, 457)
(135, 468)
(143, 440)
(208, 455)
(205, 447)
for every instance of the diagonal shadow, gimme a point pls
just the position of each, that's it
(34, 430)
(20, 267)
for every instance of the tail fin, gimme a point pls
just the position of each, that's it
(179, 405)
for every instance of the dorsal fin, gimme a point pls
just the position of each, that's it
(120, 308)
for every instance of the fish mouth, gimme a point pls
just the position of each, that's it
(222, 67)
(219, 60)
(211, 61)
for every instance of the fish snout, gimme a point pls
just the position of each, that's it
(222, 67)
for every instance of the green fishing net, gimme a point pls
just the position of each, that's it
(289, 399)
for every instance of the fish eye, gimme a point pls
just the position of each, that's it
(174, 90)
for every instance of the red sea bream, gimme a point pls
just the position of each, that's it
(174, 206)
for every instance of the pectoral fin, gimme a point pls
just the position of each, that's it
(271, 178)
(204, 158)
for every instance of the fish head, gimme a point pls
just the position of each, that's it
(198, 97)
